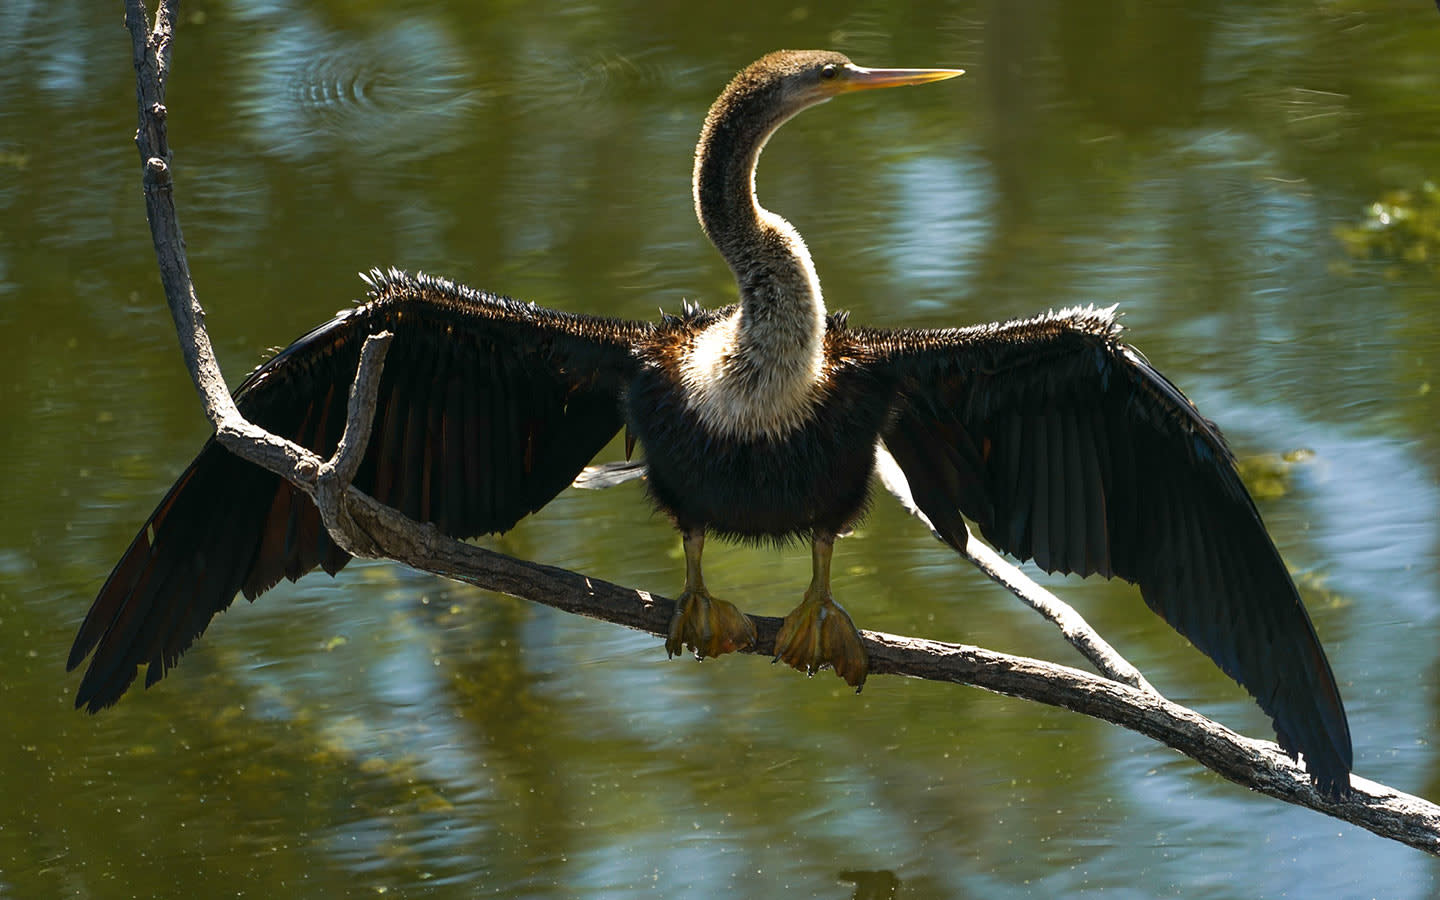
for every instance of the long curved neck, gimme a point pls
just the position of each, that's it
(772, 351)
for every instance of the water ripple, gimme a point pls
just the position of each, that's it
(400, 94)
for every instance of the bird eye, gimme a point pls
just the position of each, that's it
(829, 71)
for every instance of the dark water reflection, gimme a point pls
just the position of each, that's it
(386, 732)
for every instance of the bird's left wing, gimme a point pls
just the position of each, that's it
(1066, 447)
(487, 409)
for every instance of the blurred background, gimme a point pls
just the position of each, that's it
(1250, 181)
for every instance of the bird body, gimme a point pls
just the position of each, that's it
(758, 477)
(759, 421)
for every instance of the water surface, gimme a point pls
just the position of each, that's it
(387, 732)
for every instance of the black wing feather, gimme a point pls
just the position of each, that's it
(488, 408)
(1093, 462)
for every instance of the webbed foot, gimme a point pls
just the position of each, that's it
(708, 626)
(820, 633)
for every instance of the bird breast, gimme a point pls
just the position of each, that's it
(751, 382)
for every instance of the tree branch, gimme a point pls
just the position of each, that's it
(365, 527)
(325, 482)
(333, 479)
(1072, 625)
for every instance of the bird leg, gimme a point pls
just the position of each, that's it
(706, 625)
(818, 632)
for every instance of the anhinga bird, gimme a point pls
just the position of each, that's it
(759, 421)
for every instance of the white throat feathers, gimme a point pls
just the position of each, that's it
(757, 372)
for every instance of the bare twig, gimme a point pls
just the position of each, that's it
(152, 68)
(365, 527)
(1072, 625)
(333, 479)
(360, 413)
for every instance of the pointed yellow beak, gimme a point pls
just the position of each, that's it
(859, 78)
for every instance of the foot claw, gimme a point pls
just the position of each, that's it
(708, 626)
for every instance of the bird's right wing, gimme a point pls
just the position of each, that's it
(1066, 447)
(487, 409)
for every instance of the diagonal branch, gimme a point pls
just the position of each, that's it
(1073, 627)
(1258, 765)
(365, 527)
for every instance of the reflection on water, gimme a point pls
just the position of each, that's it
(385, 732)
(939, 227)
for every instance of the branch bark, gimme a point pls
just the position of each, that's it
(326, 482)
(1062, 615)
(367, 528)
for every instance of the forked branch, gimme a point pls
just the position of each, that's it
(364, 527)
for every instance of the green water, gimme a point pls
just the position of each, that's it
(386, 733)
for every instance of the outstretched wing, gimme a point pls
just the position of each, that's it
(487, 409)
(1066, 447)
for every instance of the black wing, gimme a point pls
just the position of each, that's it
(1064, 446)
(487, 409)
